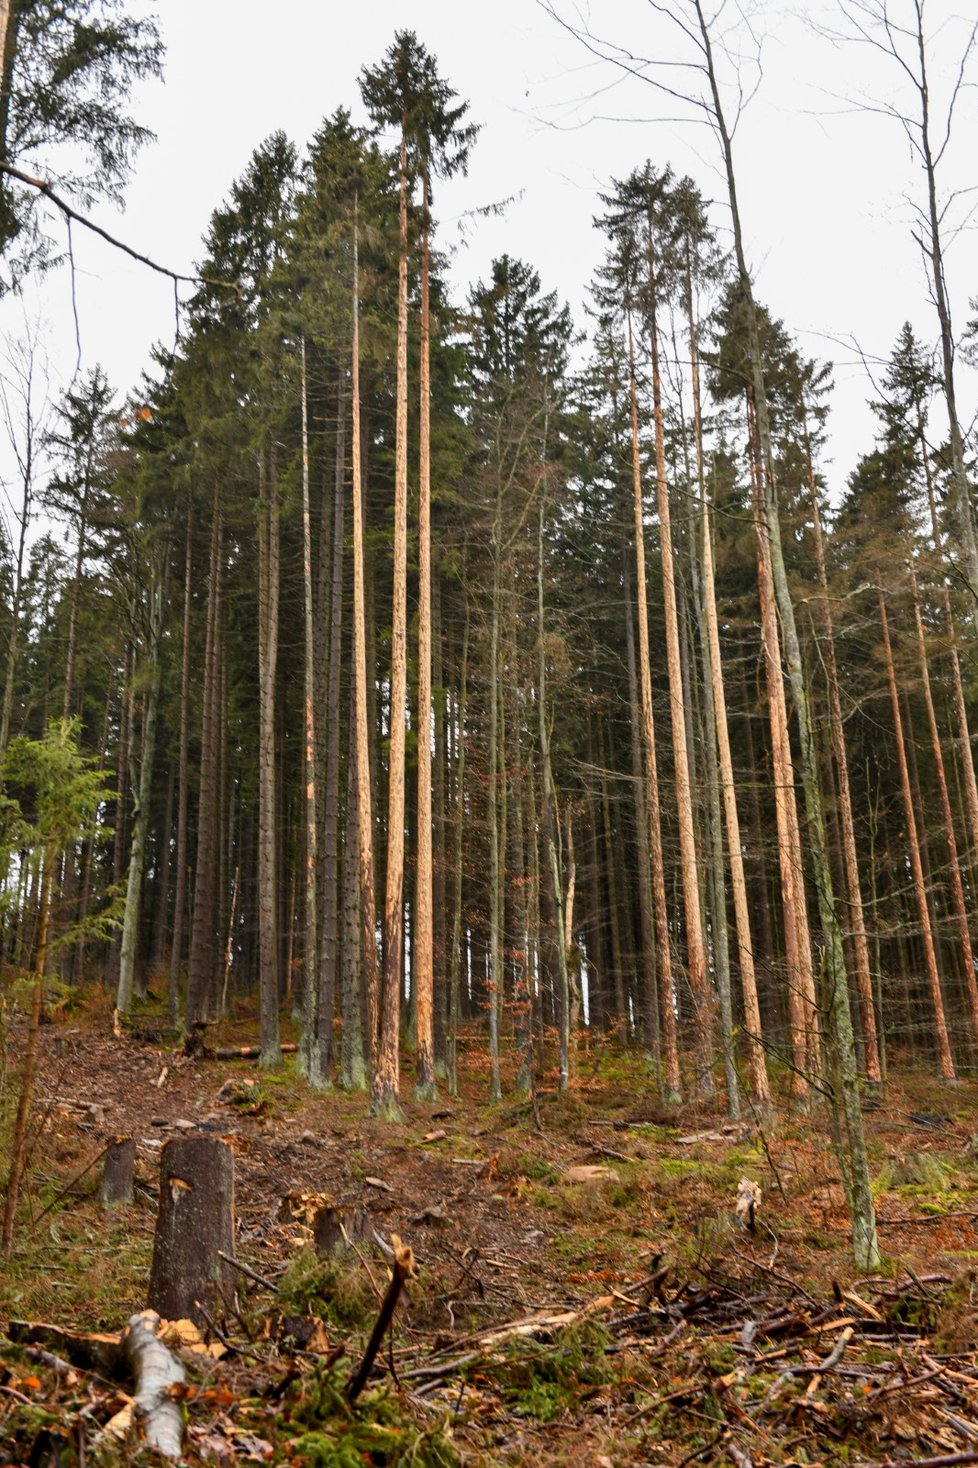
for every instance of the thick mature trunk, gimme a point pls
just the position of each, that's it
(189, 1278)
(386, 1074)
(945, 1059)
(422, 931)
(268, 893)
(670, 1049)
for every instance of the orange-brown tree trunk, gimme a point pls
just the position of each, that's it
(945, 1057)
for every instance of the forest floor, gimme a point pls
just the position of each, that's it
(585, 1292)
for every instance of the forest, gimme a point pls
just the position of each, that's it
(468, 713)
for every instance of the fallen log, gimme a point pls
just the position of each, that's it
(243, 1052)
(159, 1378)
(91, 1350)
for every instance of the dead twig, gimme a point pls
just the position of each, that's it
(401, 1272)
(246, 1269)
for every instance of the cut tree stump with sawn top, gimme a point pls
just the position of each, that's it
(195, 1225)
(116, 1187)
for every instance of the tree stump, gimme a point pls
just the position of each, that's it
(336, 1226)
(194, 1226)
(116, 1187)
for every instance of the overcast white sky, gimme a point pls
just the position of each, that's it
(824, 188)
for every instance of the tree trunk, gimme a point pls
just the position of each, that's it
(670, 1079)
(180, 889)
(422, 928)
(385, 1079)
(202, 938)
(141, 814)
(945, 1058)
(957, 885)
(699, 983)
(329, 951)
(268, 886)
(116, 1187)
(860, 945)
(647, 1007)
(365, 835)
(314, 1058)
(189, 1279)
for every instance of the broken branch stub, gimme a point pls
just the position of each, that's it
(194, 1228)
